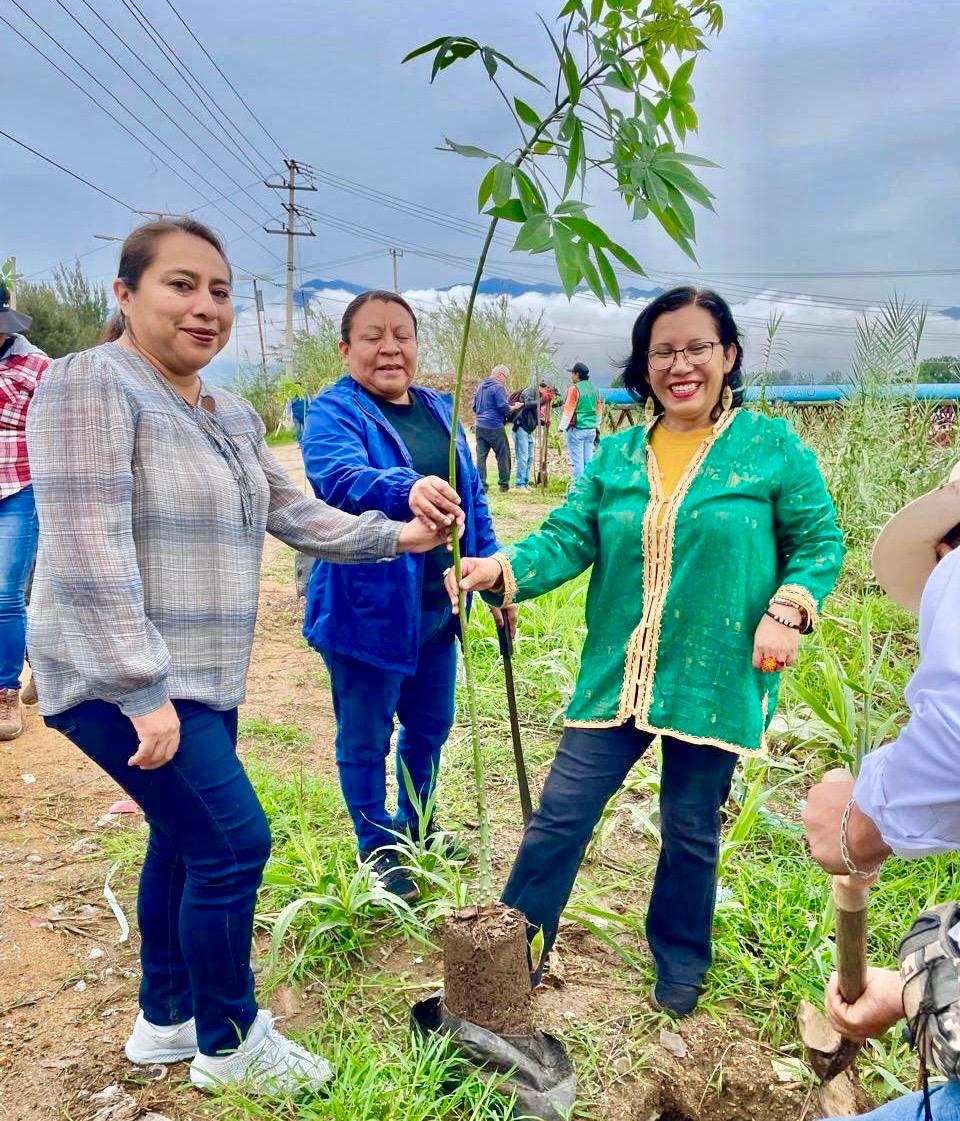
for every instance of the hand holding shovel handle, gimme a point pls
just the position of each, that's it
(850, 895)
(829, 1052)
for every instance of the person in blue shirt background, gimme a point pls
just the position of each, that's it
(374, 441)
(492, 408)
(298, 413)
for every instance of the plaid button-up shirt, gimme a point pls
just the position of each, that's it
(152, 520)
(21, 368)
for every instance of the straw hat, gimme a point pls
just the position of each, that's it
(905, 551)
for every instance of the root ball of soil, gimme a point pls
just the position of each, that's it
(486, 970)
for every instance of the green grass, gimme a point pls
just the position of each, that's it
(382, 1073)
(267, 733)
(324, 929)
(279, 439)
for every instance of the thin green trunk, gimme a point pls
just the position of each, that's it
(485, 882)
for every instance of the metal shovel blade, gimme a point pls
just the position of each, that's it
(828, 1052)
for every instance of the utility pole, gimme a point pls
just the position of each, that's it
(291, 186)
(258, 299)
(395, 253)
(13, 283)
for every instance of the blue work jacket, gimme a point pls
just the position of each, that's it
(355, 461)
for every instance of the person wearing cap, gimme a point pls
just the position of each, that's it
(581, 419)
(21, 368)
(492, 408)
(906, 799)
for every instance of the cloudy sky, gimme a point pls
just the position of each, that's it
(837, 128)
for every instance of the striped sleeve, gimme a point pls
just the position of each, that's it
(83, 488)
(322, 531)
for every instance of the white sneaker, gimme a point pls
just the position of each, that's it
(149, 1044)
(266, 1061)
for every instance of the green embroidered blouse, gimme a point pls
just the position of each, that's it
(680, 583)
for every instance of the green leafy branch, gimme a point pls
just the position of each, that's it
(615, 111)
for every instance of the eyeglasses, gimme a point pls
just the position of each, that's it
(697, 354)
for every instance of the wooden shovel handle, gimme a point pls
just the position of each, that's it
(850, 894)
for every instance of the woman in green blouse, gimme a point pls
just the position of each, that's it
(713, 541)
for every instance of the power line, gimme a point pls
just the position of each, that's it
(235, 152)
(176, 124)
(72, 174)
(290, 230)
(799, 299)
(237, 93)
(861, 273)
(468, 226)
(219, 117)
(425, 251)
(404, 206)
(341, 261)
(156, 155)
(440, 218)
(221, 198)
(420, 305)
(103, 245)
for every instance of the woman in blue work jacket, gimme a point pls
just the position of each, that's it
(375, 441)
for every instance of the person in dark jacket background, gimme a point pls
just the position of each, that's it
(374, 441)
(298, 411)
(492, 408)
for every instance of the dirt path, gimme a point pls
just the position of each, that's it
(67, 988)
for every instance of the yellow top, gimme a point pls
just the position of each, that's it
(674, 451)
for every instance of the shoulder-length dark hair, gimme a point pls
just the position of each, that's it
(139, 251)
(635, 376)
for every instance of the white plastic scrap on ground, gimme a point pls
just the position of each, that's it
(114, 905)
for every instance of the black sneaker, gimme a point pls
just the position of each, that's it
(677, 1001)
(389, 873)
(448, 845)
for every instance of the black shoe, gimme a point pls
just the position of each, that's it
(440, 840)
(676, 1000)
(389, 873)
(504, 489)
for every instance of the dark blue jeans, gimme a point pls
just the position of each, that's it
(365, 701)
(590, 766)
(209, 840)
(18, 546)
(944, 1104)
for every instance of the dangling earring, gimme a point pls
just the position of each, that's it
(649, 409)
(726, 399)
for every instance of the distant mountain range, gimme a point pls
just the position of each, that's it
(492, 286)
(498, 286)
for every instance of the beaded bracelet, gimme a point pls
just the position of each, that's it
(784, 622)
(783, 601)
(844, 848)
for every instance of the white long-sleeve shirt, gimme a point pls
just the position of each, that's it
(910, 788)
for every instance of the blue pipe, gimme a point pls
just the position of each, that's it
(815, 394)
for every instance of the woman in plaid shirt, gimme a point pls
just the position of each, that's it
(154, 491)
